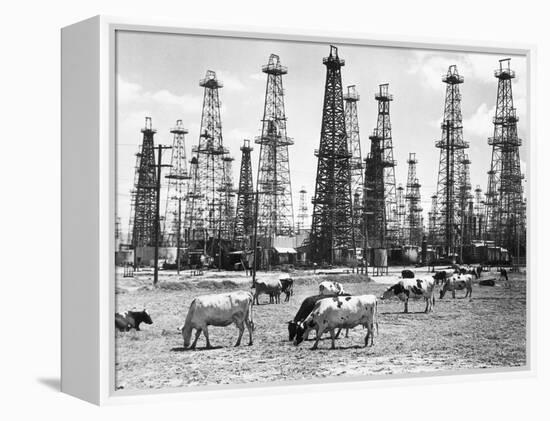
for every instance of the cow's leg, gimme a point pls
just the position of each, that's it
(338, 333)
(454, 293)
(332, 338)
(197, 334)
(370, 334)
(427, 304)
(406, 306)
(248, 324)
(319, 333)
(240, 326)
(208, 344)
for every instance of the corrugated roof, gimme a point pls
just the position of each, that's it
(285, 250)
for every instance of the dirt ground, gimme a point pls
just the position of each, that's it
(488, 331)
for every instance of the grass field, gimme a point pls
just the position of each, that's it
(489, 331)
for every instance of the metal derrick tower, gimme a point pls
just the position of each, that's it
(275, 209)
(210, 154)
(504, 197)
(465, 202)
(451, 158)
(414, 210)
(351, 97)
(401, 213)
(381, 199)
(194, 212)
(227, 206)
(479, 214)
(144, 205)
(177, 188)
(302, 211)
(332, 234)
(432, 221)
(244, 224)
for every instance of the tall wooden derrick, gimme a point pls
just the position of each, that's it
(194, 211)
(505, 220)
(465, 203)
(401, 214)
(244, 225)
(177, 189)
(479, 214)
(351, 97)
(210, 154)
(414, 229)
(275, 209)
(303, 214)
(226, 225)
(332, 233)
(451, 160)
(144, 201)
(380, 197)
(432, 221)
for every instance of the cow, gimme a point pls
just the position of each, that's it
(407, 274)
(331, 288)
(218, 310)
(419, 287)
(504, 278)
(457, 282)
(271, 287)
(287, 287)
(131, 320)
(469, 270)
(442, 275)
(340, 312)
(305, 309)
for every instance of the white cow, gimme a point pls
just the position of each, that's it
(457, 282)
(340, 313)
(331, 288)
(218, 310)
(415, 288)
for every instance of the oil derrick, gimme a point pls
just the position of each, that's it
(452, 147)
(244, 224)
(302, 211)
(227, 205)
(275, 209)
(210, 154)
(414, 210)
(432, 221)
(351, 97)
(380, 199)
(177, 188)
(194, 212)
(332, 234)
(479, 214)
(504, 198)
(144, 207)
(465, 202)
(401, 213)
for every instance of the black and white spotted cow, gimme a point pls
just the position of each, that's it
(413, 288)
(457, 282)
(131, 320)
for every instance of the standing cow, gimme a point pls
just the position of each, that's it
(415, 288)
(271, 287)
(331, 288)
(457, 282)
(338, 313)
(287, 287)
(218, 310)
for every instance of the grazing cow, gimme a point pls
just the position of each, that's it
(131, 320)
(331, 288)
(407, 274)
(305, 309)
(457, 282)
(287, 287)
(419, 287)
(218, 310)
(271, 287)
(340, 312)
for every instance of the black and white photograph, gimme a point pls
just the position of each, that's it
(291, 211)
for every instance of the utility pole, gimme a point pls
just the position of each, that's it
(157, 211)
(255, 238)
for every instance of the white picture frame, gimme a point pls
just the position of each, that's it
(88, 197)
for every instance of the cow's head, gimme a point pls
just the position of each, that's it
(392, 291)
(146, 318)
(292, 327)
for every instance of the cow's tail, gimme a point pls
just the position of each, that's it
(250, 306)
(376, 316)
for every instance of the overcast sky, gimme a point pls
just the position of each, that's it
(158, 76)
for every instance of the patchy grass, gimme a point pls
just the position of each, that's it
(489, 331)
